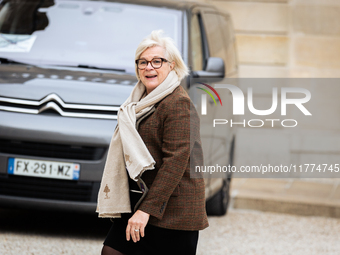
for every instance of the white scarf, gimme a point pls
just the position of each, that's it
(127, 149)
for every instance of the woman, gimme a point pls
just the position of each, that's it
(150, 155)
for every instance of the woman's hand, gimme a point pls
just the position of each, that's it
(138, 222)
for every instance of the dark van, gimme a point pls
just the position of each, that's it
(67, 66)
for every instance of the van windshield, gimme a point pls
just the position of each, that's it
(80, 33)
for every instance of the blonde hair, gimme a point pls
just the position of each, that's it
(171, 52)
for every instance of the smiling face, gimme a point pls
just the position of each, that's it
(150, 76)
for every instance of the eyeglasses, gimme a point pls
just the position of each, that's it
(155, 63)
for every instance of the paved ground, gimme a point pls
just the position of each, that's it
(50, 233)
(257, 233)
(240, 232)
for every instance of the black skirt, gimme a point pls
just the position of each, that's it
(155, 241)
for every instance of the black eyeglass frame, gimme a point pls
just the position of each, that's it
(147, 63)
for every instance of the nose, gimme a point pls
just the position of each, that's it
(149, 66)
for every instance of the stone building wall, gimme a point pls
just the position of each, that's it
(293, 39)
(286, 38)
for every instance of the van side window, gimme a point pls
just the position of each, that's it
(196, 44)
(229, 40)
(214, 35)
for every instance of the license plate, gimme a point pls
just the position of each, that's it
(43, 168)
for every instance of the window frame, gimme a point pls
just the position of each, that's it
(204, 41)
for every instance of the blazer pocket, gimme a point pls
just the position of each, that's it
(176, 192)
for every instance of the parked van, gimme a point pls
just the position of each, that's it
(67, 66)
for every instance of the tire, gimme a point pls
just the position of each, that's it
(218, 204)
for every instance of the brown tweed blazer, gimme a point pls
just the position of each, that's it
(174, 200)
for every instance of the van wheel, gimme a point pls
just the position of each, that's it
(218, 204)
